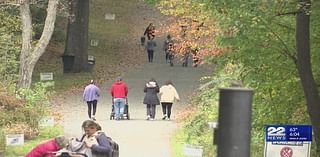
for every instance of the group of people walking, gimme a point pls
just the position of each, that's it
(119, 92)
(168, 48)
(168, 94)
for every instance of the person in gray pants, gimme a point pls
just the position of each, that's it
(151, 98)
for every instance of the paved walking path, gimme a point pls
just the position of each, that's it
(137, 137)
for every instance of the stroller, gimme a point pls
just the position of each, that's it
(125, 115)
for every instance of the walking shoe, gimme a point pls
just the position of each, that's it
(93, 118)
(164, 117)
(151, 119)
(148, 117)
(168, 119)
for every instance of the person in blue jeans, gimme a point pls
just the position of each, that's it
(119, 92)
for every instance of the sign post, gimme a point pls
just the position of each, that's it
(288, 140)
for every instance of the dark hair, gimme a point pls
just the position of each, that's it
(168, 82)
(152, 80)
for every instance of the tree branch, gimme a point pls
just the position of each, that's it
(286, 50)
(288, 13)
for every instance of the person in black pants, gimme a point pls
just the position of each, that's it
(90, 95)
(168, 94)
(150, 46)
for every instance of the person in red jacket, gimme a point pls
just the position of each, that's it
(119, 92)
(44, 149)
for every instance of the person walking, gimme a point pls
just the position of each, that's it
(90, 95)
(150, 46)
(150, 31)
(195, 57)
(151, 98)
(166, 46)
(168, 94)
(119, 92)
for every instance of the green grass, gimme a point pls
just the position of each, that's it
(45, 134)
(177, 143)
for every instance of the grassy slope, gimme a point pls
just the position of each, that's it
(110, 33)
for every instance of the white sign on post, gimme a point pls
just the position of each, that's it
(15, 139)
(192, 150)
(287, 149)
(46, 76)
(109, 16)
(94, 42)
(288, 140)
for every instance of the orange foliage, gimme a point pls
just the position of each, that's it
(191, 34)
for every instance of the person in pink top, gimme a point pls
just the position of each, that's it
(119, 92)
(44, 149)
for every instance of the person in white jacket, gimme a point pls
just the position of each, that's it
(168, 94)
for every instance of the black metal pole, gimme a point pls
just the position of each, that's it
(234, 122)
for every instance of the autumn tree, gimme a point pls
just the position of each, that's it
(276, 53)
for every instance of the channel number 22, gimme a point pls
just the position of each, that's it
(276, 131)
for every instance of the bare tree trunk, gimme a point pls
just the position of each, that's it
(25, 78)
(77, 35)
(305, 69)
(30, 56)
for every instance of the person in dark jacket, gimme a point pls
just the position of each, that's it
(150, 46)
(151, 98)
(150, 31)
(95, 139)
(119, 92)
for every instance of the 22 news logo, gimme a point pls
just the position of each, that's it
(276, 131)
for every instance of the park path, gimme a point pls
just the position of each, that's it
(137, 137)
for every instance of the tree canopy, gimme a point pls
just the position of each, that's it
(257, 40)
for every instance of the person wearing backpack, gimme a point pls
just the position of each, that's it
(96, 140)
